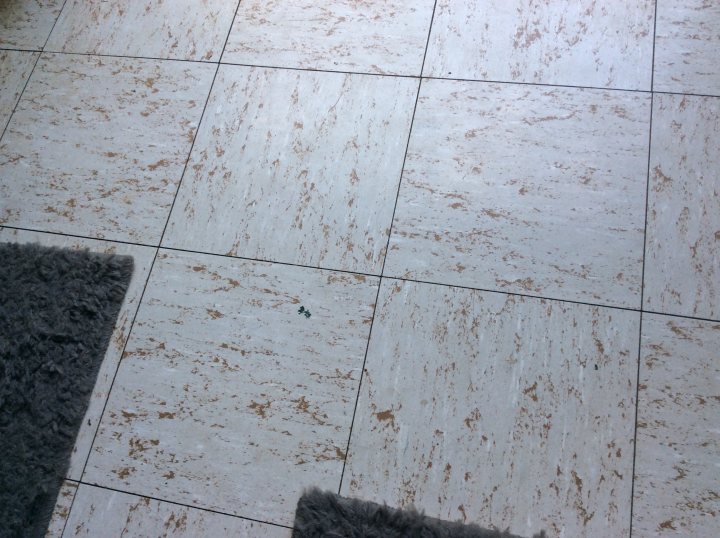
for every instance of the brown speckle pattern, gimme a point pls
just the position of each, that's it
(386, 36)
(470, 409)
(597, 43)
(533, 190)
(15, 67)
(687, 41)
(316, 155)
(26, 24)
(677, 491)
(61, 511)
(180, 29)
(97, 145)
(262, 193)
(259, 393)
(682, 267)
(102, 512)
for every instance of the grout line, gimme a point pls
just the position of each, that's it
(357, 395)
(642, 279)
(686, 94)
(119, 362)
(142, 295)
(20, 95)
(539, 84)
(19, 49)
(368, 275)
(197, 132)
(150, 271)
(53, 26)
(128, 57)
(387, 245)
(318, 70)
(176, 503)
(361, 73)
(72, 502)
(227, 36)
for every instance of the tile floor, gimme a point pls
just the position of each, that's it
(461, 255)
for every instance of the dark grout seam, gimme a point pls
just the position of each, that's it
(149, 274)
(387, 246)
(22, 92)
(367, 275)
(175, 503)
(686, 94)
(359, 73)
(539, 84)
(642, 280)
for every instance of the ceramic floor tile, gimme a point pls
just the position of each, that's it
(298, 167)
(237, 387)
(101, 512)
(96, 146)
(682, 267)
(525, 189)
(574, 42)
(26, 24)
(677, 492)
(143, 257)
(369, 37)
(15, 68)
(62, 509)
(184, 29)
(687, 40)
(502, 410)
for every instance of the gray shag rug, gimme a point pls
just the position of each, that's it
(326, 515)
(57, 312)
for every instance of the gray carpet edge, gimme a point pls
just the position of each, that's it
(53, 340)
(327, 515)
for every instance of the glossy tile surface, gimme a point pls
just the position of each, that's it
(533, 190)
(367, 37)
(26, 24)
(682, 267)
(97, 146)
(142, 257)
(298, 167)
(101, 512)
(229, 397)
(575, 42)
(470, 410)
(677, 492)
(15, 68)
(62, 509)
(687, 40)
(184, 29)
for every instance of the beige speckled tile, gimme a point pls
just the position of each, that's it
(143, 257)
(386, 36)
(96, 146)
(26, 24)
(502, 410)
(181, 29)
(62, 509)
(574, 42)
(101, 512)
(682, 264)
(228, 397)
(677, 489)
(298, 167)
(15, 68)
(525, 189)
(687, 40)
